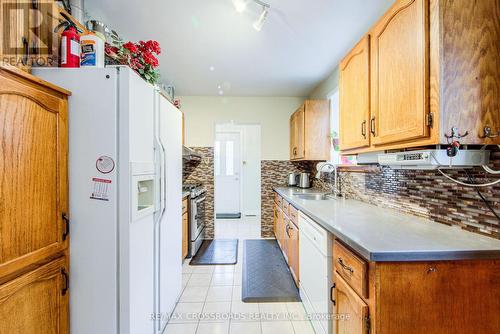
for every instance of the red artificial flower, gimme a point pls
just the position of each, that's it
(153, 46)
(111, 51)
(135, 64)
(131, 47)
(150, 59)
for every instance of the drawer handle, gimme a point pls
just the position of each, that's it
(331, 294)
(344, 266)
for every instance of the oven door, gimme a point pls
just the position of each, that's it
(197, 217)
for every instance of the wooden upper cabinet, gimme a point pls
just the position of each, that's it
(347, 302)
(297, 134)
(399, 65)
(36, 302)
(470, 69)
(310, 131)
(33, 171)
(355, 97)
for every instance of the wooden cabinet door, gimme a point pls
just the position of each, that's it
(279, 226)
(352, 309)
(185, 235)
(400, 75)
(293, 250)
(33, 172)
(284, 233)
(470, 68)
(297, 132)
(275, 220)
(355, 97)
(36, 302)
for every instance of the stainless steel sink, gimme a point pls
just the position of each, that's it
(314, 196)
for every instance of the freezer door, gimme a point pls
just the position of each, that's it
(136, 117)
(170, 248)
(93, 195)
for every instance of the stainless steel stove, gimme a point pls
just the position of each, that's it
(197, 210)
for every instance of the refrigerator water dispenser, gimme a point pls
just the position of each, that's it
(143, 195)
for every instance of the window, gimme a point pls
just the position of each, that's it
(217, 158)
(230, 158)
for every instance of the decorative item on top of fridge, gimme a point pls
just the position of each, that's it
(140, 56)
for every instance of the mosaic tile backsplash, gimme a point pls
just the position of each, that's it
(428, 194)
(421, 193)
(203, 172)
(273, 174)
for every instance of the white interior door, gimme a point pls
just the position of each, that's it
(227, 155)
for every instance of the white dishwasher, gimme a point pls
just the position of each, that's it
(315, 256)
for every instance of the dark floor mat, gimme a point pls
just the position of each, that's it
(217, 251)
(228, 215)
(266, 276)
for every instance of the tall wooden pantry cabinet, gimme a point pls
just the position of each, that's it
(34, 223)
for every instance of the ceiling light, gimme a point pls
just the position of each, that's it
(240, 5)
(262, 18)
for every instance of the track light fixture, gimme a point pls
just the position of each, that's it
(262, 18)
(241, 5)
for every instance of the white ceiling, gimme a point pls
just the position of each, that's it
(206, 43)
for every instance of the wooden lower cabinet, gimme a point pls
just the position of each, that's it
(293, 250)
(286, 238)
(431, 297)
(286, 232)
(36, 302)
(352, 311)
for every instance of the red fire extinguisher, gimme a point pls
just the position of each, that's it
(70, 46)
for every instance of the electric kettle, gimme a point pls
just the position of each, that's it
(304, 181)
(292, 179)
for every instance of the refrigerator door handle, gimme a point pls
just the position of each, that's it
(163, 180)
(161, 151)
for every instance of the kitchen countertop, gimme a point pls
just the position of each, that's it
(383, 235)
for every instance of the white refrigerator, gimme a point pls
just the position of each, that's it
(125, 169)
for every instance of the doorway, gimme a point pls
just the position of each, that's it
(227, 154)
(237, 160)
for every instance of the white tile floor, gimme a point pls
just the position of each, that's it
(211, 299)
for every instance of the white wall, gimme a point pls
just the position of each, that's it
(272, 113)
(327, 86)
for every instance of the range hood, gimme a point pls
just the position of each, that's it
(434, 159)
(190, 155)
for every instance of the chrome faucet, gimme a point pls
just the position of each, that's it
(336, 192)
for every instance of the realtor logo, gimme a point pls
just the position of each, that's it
(27, 32)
